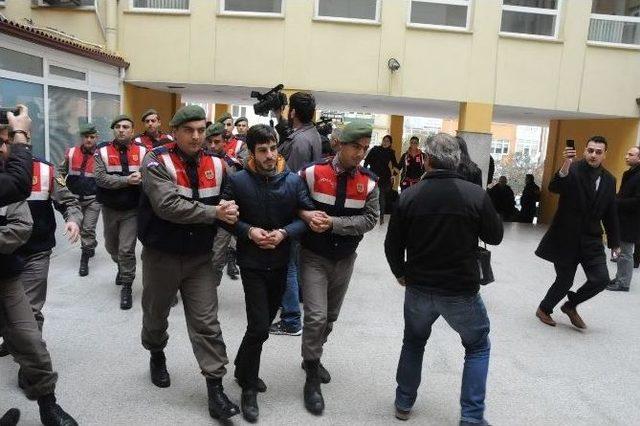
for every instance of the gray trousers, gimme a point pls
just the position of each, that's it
(120, 234)
(23, 340)
(221, 242)
(163, 274)
(34, 280)
(90, 214)
(625, 264)
(324, 284)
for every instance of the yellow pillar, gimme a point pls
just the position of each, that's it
(475, 117)
(221, 109)
(396, 129)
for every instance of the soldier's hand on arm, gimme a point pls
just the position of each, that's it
(227, 211)
(134, 178)
(72, 231)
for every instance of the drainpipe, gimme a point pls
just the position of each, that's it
(112, 25)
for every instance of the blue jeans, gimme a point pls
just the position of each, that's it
(290, 314)
(467, 316)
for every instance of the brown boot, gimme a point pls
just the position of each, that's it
(545, 317)
(573, 315)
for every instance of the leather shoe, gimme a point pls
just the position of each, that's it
(219, 405)
(249, 405)
(158, 368)
(51, 414)
(10, 418)
(313, 399)
(545, 317)
(572, 313)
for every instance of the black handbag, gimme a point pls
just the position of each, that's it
(483, 257)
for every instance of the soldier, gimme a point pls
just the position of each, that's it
(22, 337)
(46, 192)
(77, 170)
(242, 125)
(117, 173)
(152, 136)
(178, 215)
(223, 240)
(346, 199)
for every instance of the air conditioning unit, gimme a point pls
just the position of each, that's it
(60, 3)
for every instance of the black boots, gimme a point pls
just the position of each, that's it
(313, 400)
(51, 414)
(249, 404)
(325, 377)
(219, 405)
(232, 269)
(84, 264)
(158, 367)
(126, 299)
(10, 418)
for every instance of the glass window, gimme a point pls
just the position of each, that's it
(255, 6)
(13, 92)
(161, 4)
(499, 148)
(615, 21)
(353, 9)
(104, 108)
(11, 60)
(83, 3)
(448, 13)
(67, 110)
(535, 17)
(66, 72)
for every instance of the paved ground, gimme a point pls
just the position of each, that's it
(539, 375)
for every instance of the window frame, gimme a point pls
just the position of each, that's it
(318, 17)
(617, 18)
(466, 28)
(534, 11)
(135, 9)
(223, 12)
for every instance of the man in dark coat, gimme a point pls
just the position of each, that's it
(503, 199)
(530, 196)
(629, 215)
(587, 199)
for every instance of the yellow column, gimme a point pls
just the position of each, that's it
(221, 109)
(396, 129)
(475, 117)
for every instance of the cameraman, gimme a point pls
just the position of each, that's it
(301, 145)
(15, 179)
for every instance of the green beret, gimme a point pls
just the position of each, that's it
(120, 118)
(224, 117)
(87, 129)
(214, 129)
(186, 114)
(355, 130)
(148, 113)
(240, 119)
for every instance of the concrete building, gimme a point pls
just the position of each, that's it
(570, 65)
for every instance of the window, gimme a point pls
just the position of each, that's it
(533, 17)
(239, 111)
(252, 7)
(11, 60)
(13, 92)
(499, 148)
(103, 108)
(161, 5)
(615, 21)
(66, 72)
(67, 110)
(452, 14)
(83, 3)
(354, 10)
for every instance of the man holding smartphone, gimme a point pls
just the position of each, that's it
(587, 201)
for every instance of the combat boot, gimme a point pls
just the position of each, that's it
(219, 405)
(126, 300)
(84, 264)
(51, 414)
(313, 400)
(232, 269)
(158, 367)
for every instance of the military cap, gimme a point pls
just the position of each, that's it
(240, 119)
(121, 117)
(186, 114)
(214, 129)
(355, 130)
(148, 113)
(87, 129)
(224, 117)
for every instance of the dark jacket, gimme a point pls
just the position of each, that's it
(530, 196)
(269, 203)
(437, 224)
(504, 200)
(301, 147)
(470, 172)
(576, 232)
(15, 179)
(378, 160)
(629, 205)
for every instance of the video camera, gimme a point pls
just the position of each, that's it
(269, 101)
(324, 126)
(3, 114)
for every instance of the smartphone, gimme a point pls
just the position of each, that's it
(3, 114)
(571, 144)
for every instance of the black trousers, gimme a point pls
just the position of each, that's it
(263, 292)
(597, 279)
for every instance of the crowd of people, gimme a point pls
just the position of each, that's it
(287, 219)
